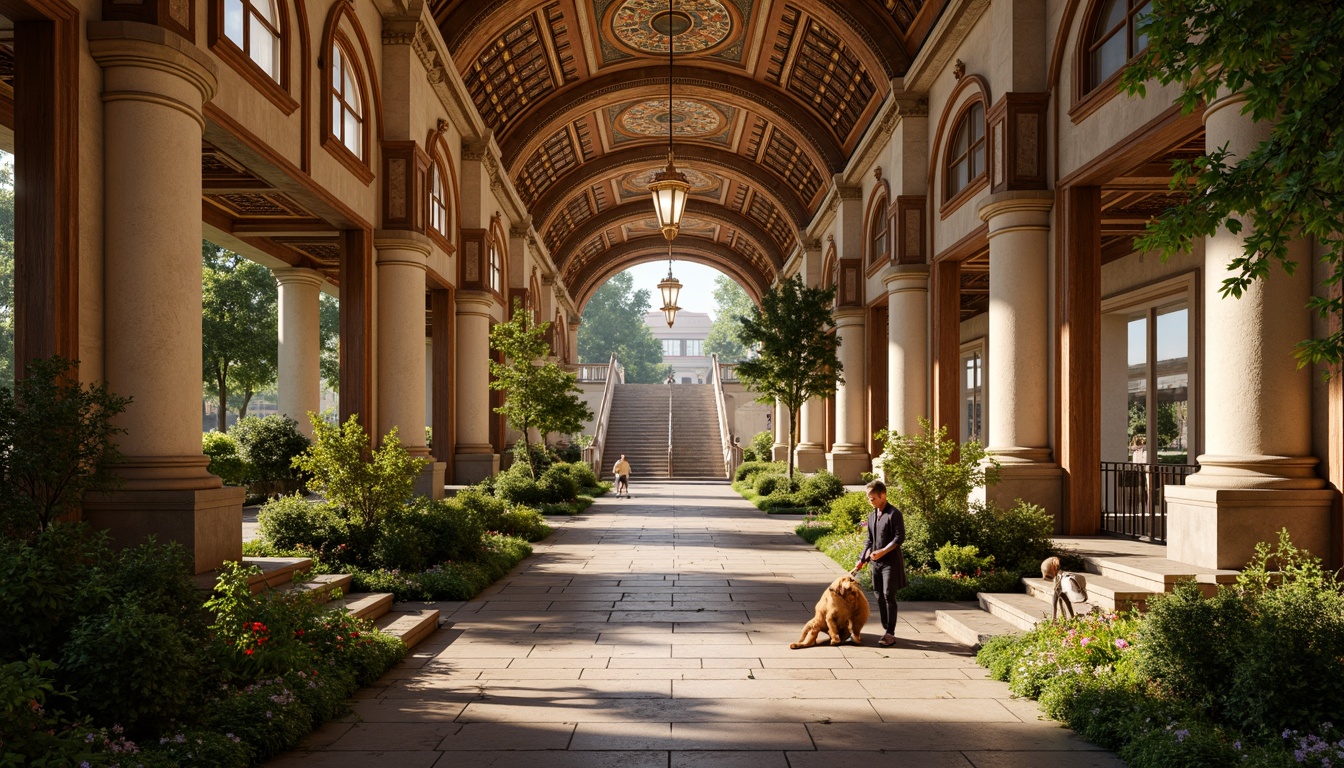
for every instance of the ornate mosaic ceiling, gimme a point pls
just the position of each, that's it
(770, 98)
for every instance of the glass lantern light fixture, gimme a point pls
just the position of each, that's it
(670, 288)
(669, 188)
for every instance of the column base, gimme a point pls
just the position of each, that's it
(471, 468)
(809, 457)
(207, 522)
(430, 481)
(1041, 484)
(849, 465)
(779, 452)
(1219, 527)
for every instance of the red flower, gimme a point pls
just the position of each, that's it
(248, 651)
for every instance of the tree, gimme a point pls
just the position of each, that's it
(543, 395)
(725, 335)
(613, 322)
(329, 335)
(1283, 57)
(797, 355)
(239, 301)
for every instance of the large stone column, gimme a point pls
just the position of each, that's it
(300, 377)
(907, 347)
(849, 457)
(1018, 355)
(154, 85)
(402, 258)
(1256, 475)
(780, 426)
(810, 454)
(475, 459)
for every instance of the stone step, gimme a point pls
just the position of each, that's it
(1021, 611)
(1105, 593)
(324, 586)
(1158, 574)
(365, 605)
(972, 626)
(410, 624)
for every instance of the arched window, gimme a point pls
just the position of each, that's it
(496, 267)
(877, 233)
(438, 201)
(347, 105)
(966, 153)
(1114, 38)
(254, 26)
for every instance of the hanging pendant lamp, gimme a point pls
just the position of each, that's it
(670, 288)
(670, 187)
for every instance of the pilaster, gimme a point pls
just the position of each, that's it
(475, 458)
(849, 457)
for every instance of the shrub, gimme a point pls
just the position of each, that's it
(819, 489)
(524, 523)
(1018, 537)
(291, 522)
(747, 470)
(225, 463)
(516, 486)
(768, 483)
(269, 445)
(46, 478)
(557, 484)
(848, 511)
(488, 508)
(568, 453)
(925, 532)
(759, 447)
(581, 473)
(929, 474)
(944, 586)
(964, 560)
(845, 548)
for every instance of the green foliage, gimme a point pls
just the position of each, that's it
(32, 734)
(366, 488)
(578, 471)
(952, 587)
(929, 473)
(759, 448)
(820, 489)
(1264, 657)
(1168, 425)
(798, 358)
(966, 560)
(269, 446)
(848, 511)
(1278, 57)
(448, 581)
(239, 303)
(544, 396)
(747, 470)
(329, 338)
(292, 523)
(6, 273)
(1018, 536)
(725, 335)
(516, 486)
(224, 460)
(767, 483)
(558, 485)
(613, 323)
(844, 547)
(46, 478)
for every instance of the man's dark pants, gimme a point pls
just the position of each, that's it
(884, 584)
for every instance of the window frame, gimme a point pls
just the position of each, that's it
(1089, 91)
(494, 267)
(276, 88)
(976, 182)
(358, 164)
(438, 204)
(977, 348)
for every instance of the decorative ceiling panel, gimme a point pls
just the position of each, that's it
(635, 185)
(554, 157)
(830, 78)
(634, 29)
(764, 212)
(575, 212)
(691, 119)
(787, 159)
(903, 11)
(511, 74)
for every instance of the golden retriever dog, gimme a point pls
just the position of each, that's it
(1049, 567)
(841, 613)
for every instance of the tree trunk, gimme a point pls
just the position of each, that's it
(527, 445)
(793, 420)
(247, 400)
(222, 414)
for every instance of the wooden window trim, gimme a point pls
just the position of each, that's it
(232, 54)
(1086, 99)
(877, 217)
(976, 183)
(333, 144)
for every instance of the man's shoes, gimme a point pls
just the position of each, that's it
(887, 641)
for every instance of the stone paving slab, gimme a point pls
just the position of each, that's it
(656, 633)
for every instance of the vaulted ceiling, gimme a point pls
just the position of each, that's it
(770, 98)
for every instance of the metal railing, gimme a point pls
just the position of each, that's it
(1133, 499)
(732, 454)
(593, 373)
(669, 432)
(612, 374)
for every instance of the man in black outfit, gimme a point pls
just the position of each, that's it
(886, 532)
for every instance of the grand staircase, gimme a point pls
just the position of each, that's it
(1120, 575)
(638, 429)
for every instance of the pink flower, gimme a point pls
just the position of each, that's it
(1085, 641)
(1121, 643)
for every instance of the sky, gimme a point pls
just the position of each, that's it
(697, 284)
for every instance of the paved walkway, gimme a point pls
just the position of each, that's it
(655, 632)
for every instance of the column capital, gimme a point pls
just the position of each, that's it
(1025, 202)
(899, 278)
(847, 316)
(474, 302)
(298, 276)
(135, 44)
(402, 240)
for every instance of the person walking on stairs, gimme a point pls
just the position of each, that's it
(622, 472)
